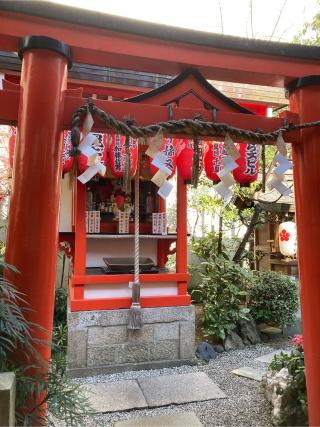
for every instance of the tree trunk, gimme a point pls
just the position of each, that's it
(219, 247)
(241, 248)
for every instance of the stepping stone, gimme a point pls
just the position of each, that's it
(165, 390)
(181, 419)
(251, 373)
(271, 331)
(117, 396)
(268, 357)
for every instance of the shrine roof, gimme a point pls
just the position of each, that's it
(88, 18)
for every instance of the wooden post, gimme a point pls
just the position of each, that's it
(182, 237)
(304, 100)
(32, 238)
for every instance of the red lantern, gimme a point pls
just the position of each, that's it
(67, 159)
(185, 159)
(101, 146)
(117, 155)
(213, 160)
(12, 142)
(169, 148)
(248, 162)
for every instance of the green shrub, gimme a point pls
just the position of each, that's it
(274, 298)
(223, 292)
(66, 400)
(294, 410)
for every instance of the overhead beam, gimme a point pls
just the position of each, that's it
(106, 40)
(144, 115)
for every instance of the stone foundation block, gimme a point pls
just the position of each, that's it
(100, 341)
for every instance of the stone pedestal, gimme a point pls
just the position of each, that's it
(7, 399)
(99, 341)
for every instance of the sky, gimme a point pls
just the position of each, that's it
(280, 20)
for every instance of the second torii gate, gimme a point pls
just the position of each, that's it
(42, 108)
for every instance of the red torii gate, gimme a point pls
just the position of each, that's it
(42, 107)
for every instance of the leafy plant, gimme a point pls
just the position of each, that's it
(60, 307)
(274, 298)
(223, 292)
(66, 401)
(294, 410)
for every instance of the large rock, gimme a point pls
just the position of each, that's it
(248, 331)
(233, 342)
(275, 384)
(206, 352)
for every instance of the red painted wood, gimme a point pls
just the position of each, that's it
(32, 237)
(80, 246)
(126, 278)
(305, 102)
(147, 114)
(115, 304)
(182, 239)
(101, 47)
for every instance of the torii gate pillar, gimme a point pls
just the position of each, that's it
(304, 100)
(34, 208)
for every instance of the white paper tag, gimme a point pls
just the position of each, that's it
(159, 178)
(228, 165)
(276, 184)
(283, 166)
(231, 148)
(228, 180)
(159, 162)
(87, 142)
(165, 189)
(281, 145)
(87, 123)
(93, 159)
(223, 190)
(91, 172)
(155, 144)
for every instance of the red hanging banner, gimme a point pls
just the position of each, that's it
(117, 155)
(248, 162)
(213, 160)
(185, 158)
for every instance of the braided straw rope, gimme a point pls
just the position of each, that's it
(184, 126)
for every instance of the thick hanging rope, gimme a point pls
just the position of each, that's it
(135, 314)
(184, 126)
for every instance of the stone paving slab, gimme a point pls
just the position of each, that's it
(267, 358)
(117, 396)
(175, 389)
(251, 373)
(181, 419)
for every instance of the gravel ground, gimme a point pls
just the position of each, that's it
(245, 404)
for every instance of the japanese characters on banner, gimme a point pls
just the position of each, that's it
(288, 238)
(185, 158)
(117, 155)
(213, 160)
(248, 169)
(67, 159)
(169, 149)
